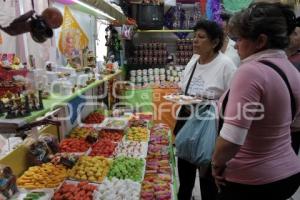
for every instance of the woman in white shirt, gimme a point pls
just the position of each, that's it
(228, 46)
(208, 74)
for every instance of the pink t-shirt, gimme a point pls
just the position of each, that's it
(267, 155)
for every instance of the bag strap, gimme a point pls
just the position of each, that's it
(222, 112)
(190, 78)
(283, 76)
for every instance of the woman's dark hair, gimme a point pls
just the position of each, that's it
(225, 16)
(275, 20)
(213, 31)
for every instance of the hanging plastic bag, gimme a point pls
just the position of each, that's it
(195, 141)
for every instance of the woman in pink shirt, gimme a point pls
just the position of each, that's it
(254, 159)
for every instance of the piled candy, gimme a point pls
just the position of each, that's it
(132, 149)
(82, 132)
(127, 168)
(159, 135)
(119, 189)
(103, 147)
(153, 188)
(72, 191)
(158, 175)
(73, 145)
(138, 123)
(138, 134)
(112, 135)
(94, 118)
(44, 176)
(90, 168)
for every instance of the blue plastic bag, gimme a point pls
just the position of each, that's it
(195, 142)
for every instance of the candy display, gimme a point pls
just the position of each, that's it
(139, 134)
(132, 149)
(89, 168)
(66, 159)
(154, 53)
(82, 132)
(158, 176)
(129, 164)
(127, 168)
(114, 123)
(75, 190)
(34, 195)
(112, 135)
(103, 147)
(184, 51)
(119, 189)
(73, 145)
(44, 176)
(94, 118)
(138, 123)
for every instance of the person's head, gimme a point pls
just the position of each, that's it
(262, 26)
(225, 17)
(208, 37)
(295, 40)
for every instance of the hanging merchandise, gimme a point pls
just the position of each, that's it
(127, 31)
(113, 44)
(209, 11)
(216, 10)
(72, 39)
(203, 7)
(236, 5)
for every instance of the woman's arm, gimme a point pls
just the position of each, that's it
(224, 151)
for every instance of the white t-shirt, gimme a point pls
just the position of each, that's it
(231, 52)
(209, 80)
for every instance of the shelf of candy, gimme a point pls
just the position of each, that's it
(73, 190)
(93, 169)
(113, 135)
(104, 147)
(153, 53)
(148, 76)
(74, 145)
(17, 105)
(119, 189)
(127, 168)
(173, 73)
(184, 51)
(43, 176)
(139, 134)
(8, 144)
(132, 149)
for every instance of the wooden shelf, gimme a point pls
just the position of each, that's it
(164, 31)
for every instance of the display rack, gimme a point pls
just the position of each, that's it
(49, 104)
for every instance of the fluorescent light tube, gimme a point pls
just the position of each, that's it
(94, 9)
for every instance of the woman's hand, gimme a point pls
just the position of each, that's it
(217, 173)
